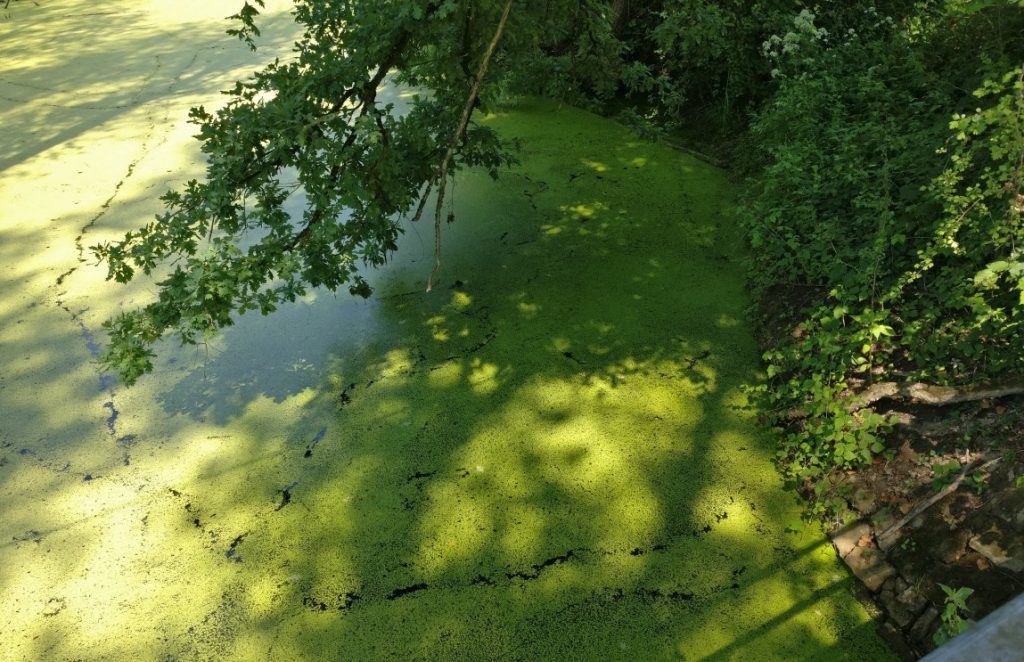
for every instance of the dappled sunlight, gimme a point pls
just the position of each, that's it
(788, 606)
(548, 454)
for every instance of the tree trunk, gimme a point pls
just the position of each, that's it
(620, 12)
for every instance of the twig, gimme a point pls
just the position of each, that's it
(441, 175)
(889, 533)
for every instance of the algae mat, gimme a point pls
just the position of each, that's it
(548, 457)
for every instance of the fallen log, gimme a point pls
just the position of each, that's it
(922, 394)
(930, 394)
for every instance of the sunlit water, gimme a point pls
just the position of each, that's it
(547, 456)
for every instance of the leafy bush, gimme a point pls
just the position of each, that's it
(908, 223)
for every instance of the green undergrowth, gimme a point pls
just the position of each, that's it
(887, 184)
(550, 456)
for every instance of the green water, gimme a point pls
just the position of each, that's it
(548, 457)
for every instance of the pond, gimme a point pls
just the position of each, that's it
(548, 456)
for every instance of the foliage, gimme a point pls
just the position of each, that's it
(953, 621)
(224, 245)
(908, 224)
(943, 473)
(905, 222)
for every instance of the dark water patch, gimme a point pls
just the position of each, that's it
(312, 603)
(196, 521)
(316, 440)
(692, 363)
(482, 580)
(420, 475)
(653, 595)
(402, 592)
(347, 600)
(286, 495)
(106, 382)
(29, 536)
(232, 551)
(50, 465)
(112, 419)
(639, 551)
(538, 568)
(572, 357)
(90, 344)
(87, 477)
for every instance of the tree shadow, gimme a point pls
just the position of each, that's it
(547, 457)
(550, 455)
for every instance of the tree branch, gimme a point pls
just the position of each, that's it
(441, 174)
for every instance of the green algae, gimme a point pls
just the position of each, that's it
(550, 456)
(547, 457)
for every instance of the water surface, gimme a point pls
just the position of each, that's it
(549, 456)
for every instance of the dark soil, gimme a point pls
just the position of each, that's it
(972, 537)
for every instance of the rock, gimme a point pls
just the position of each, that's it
(894, 585)
(846, 538)
(1009, 508)
(870, 566)
(989, 545)
(901, 615)
(883, 519)
(921, 629)
(952, 548)
(904, 606)
(893, 636)
(901, 605)
(885, 596)
(913, 600)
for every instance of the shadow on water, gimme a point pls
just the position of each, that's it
(547, 456)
